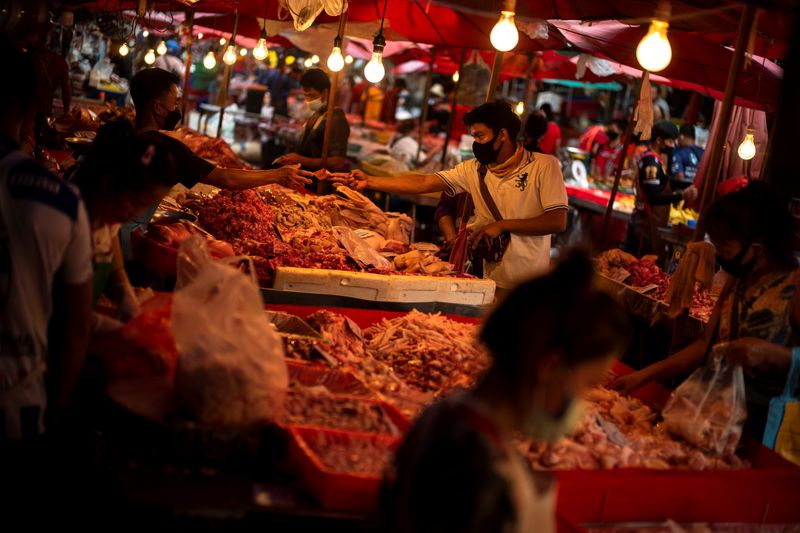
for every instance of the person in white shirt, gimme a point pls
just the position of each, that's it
(45, 256)
(527, 188)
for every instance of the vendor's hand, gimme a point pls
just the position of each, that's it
(628, 383)
(290, 159)
(356, 179)
(690, 193)
(488, 232)
(293, 177)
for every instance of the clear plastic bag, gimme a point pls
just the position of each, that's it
(231, 370)
(303, 12)
(709, 409)
(359, 249)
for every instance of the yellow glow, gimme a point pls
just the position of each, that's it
(145, 34)
(520, 109)
(229, 57)
(290, 60)
(162, 48)
(123, 49)
(654, 52)
(150, 57)
(243, 52)
(348, 59)
(335, 60)
(210, 61)
(504, 35)
(222, 41)
(200, 35)
(261, 51)
(456, 76)
(374, 71)
(315, 59)
(747, 150)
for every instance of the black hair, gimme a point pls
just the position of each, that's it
(620, 123)
(16, 94)
(536, 126)
(664, 129)
(121, 161)
(559, 311)
(315, 79)
(547, 109)
(496, 116)
(687, 130)
(754, 214)
(149, 85)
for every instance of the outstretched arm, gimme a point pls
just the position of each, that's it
(405, 184)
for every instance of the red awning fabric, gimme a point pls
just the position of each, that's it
(696, 62)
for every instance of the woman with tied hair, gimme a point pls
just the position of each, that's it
(458, 470)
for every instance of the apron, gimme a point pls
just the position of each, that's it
(26, 396)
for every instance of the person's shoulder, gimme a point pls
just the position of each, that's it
(30, 181)
(544, 161)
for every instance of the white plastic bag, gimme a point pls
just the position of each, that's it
(231, 370)
(303, 12)
(359, 249)
(334, 8)
(709, 409)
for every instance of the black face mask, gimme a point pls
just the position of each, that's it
(612, 135)
(172, 119)
(485, 153)
(667, 150)
(734, 266)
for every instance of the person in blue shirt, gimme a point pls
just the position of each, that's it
(685, 159)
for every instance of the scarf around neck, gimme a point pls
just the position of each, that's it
(510, 165)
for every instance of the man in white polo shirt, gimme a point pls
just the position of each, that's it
(527, 188)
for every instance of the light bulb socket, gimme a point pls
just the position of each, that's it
(378, 43)
(337, 42)
(263, 34)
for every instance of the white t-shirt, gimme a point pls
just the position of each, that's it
(44, 236)
(535, 188)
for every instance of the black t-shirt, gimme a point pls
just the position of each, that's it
(192, 169)
(653, 181)
(311, 141)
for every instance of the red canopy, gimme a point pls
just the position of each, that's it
(696, 62)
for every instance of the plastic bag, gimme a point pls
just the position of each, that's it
(334, 8)
(303, 12)
(359, 249)
(231, 370)
(708, 409)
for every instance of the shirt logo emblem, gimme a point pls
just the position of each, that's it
(522, 181)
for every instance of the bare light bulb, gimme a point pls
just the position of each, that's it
(315, 59)
(308, 63)
(123, 49)
(261, 51)
(456, 76)
(150, 57)
(335, 60)
(374, 71)
(145, 34)
(747, 150)
(243, 52)
(654, 52)
(229, 57)
(520, 109)
(348, 59)
(199, 35)
(210, 61)
(161, 48)
(222, 41)
(504, 35)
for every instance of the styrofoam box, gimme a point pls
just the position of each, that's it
(383, 288)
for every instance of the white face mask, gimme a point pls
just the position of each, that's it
(543, 427)
(315, 105)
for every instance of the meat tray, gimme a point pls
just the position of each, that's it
(336, 381)
(395, 417)
(336, 490)
(384, 288)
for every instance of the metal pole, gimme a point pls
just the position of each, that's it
(425, 97)
(498, 62)
(187, 66)
(222, 99)
(718, 143)
(453, 105)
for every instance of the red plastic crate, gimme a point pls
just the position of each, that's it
(336, 381)
(336, 490)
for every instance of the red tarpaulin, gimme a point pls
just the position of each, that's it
(696, 62)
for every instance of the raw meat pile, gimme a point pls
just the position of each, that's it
(639, 442)
(429, 352)
(213, 149)
(315, 406)
(354, 456)
(645, 272)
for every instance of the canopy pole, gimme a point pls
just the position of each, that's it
(498, 62)
(425, 97)
(187, 72)
(718, 143)
(626, 138)
(326, 137)
(222, 99)
(453, 105)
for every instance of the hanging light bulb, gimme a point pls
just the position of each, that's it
(145, 34)
(520, 109)
(308, 63)
(243, 52)
(315, 59)
(261, 51)
(150, 57)
(210, 61)
(229, 57)
(162, 48)
(374, 71)
(654, 52)
(123, 49)
(199, 35)
(336, 60)
(747, 150)
(222, 41)
(348, 59)
(504, 35)
(456, 77)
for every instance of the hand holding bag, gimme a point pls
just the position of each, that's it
(493, 250)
